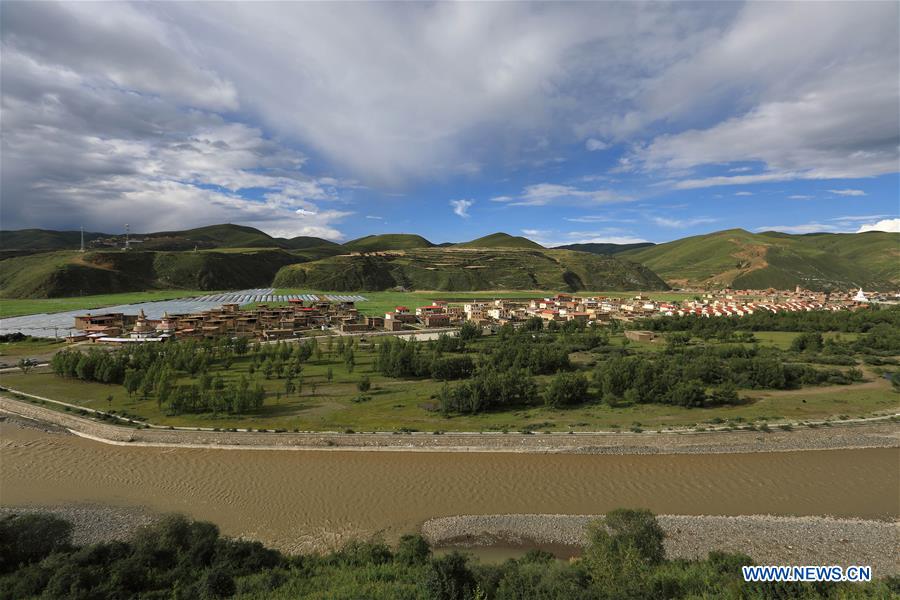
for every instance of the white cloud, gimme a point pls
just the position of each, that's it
(682, 223)
(550, 238)
(800, 197)
(374, 217)
(598, 219)
(541, 194)
(847, 192)
(806, 100)
(743, 193)
(593, 145)
(461, 207)
(802, 228)
(892, 225)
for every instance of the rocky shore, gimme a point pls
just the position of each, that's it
(767, 539)
(876, 434)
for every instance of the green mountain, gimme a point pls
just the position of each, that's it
(607, 249)
(387, 241)
(67, 273)
(740, 259)
(203, 238)
(500, 240)
(461, 269)
(45, 239)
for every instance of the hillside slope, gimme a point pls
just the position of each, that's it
(387, 241)
(61, 274)
(45, 239)
(456, 269)
(741, 259)
(607, 249)
(500, 240)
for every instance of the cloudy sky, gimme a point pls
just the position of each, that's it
(564, 122)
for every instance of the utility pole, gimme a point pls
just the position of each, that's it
(82, 238)
(126, 236)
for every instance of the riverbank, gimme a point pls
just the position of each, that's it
(872, 434)
(767, 539)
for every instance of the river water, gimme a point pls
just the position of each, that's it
(301, 500)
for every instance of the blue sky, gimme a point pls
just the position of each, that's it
(606, 122)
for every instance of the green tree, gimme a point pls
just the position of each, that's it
(566, 389)
(364, 384)
(449, 578)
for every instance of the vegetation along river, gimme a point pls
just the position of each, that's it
(298, 500)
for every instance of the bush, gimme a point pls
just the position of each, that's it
(413, 549)
(449, 578)
(566, 389)
(29, 538)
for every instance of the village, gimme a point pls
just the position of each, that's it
(312, 315)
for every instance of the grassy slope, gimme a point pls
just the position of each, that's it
(388, 241)
(608, 249)
(454, 269)
(44, 239)
(61, 274)
(742, 259)
(500, 240)
(400, 403)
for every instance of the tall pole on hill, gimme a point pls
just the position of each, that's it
(126, 236)
(82, 238)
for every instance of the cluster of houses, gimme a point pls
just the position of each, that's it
(283, 322)
(262, 322)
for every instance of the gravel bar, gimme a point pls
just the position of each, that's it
(767, 539)
(93, 523)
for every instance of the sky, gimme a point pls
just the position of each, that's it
(563, 122)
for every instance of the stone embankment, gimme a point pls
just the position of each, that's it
(874, 434)
(767, 539)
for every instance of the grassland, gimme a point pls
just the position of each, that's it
(460, 269)
(409, 403)
(10, 307)
(742, 259)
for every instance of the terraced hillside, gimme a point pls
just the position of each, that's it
(460, 269)
(741, 259)
(61, 274)
(500, 240)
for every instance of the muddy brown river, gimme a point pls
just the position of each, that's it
(299, 500)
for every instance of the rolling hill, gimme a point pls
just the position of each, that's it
(740, 259)
(461, 269)
(67, 273)
(387, 241)
(607, 249)
(213, 236)
(44, 239)
(500, 240)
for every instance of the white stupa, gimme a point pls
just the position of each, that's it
(860, 296)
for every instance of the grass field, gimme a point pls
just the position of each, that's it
(15, 307)
(408, 403)
(31, 348)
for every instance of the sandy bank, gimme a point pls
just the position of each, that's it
(767, 539)
(876, 434)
